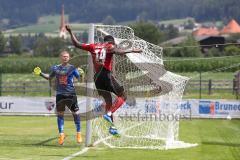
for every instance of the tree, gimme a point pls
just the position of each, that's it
(147, 31)
(84, 37)
(16, 44)
(40, 46)
(49, 47)
(232, 50)
(109, 20)
(171, 32)
(189, 24)
(2, 42)
(213, 52)
(189, 48)
(233, 38)
(55, 46)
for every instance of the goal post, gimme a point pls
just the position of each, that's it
(153, 93)
(89, 85)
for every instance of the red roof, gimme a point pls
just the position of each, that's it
(232, 27)
(206, 32)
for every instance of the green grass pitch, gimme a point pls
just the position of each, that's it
(26, 137)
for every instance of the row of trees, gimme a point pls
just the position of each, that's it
(28, 11)
(153, 33)
(14, 43)
(41, 45)
(38, 45)
(189, 48)
(48, 46)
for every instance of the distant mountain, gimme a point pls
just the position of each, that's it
(20, 12)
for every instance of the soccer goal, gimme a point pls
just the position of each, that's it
(150, 117)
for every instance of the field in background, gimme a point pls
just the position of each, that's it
(209, 75)
(193, 75)
(216, 95)
(221, 81)
(36, 138)
(21, 84)
(176, 21)
(46, 24)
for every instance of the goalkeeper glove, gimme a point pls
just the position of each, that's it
(37, 71)
(80, 70)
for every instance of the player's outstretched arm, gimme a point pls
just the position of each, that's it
(122, 52)
(75, 42)
(37, 71)
(45, 76)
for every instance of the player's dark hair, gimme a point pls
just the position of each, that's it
(108, 38)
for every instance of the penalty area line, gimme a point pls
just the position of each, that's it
(84, 150)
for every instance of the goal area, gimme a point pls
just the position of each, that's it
(149, 119)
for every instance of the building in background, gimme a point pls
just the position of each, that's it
(203, 31)
(231, 28)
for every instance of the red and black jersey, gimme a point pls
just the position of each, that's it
(102, 54)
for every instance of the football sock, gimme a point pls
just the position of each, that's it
(117, 104)
(60, 122)
(77, 122)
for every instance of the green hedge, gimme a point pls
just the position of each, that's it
(26, 64)
(177, 65)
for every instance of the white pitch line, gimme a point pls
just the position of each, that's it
(84, 150)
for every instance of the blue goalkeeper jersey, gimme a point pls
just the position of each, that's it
(64, 78)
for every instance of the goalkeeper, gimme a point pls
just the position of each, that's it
(102, 56)
(65, 93)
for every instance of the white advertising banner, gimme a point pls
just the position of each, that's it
(210, 108)
(27, 105)
(194, 108)
(32, 105)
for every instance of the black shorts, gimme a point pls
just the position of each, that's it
(106, 82)
(66, 100)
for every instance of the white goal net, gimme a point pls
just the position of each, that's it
(150, 117)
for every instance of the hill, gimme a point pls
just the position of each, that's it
(14, 13)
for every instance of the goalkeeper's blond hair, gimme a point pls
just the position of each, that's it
(64, 52)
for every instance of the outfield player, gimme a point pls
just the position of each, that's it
(102, 56)
(65, 93)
